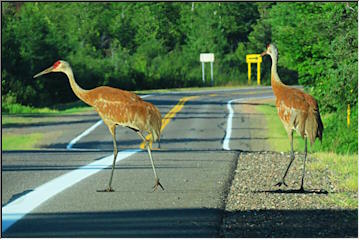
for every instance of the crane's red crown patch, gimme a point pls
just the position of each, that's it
(56, 64)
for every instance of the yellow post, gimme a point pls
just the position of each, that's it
(348, 115)
(249, 73)
(258, 73)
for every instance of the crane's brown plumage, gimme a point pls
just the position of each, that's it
(125, 109)
(297, 111)
(117, 107)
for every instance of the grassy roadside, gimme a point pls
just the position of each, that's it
(343, 168)
(15, 108)
(16, 114)
(343, 175)
(20, 141)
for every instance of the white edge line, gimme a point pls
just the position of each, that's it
(226, 142)
(83, 134)
(145, 96)
(18, 208)
(228, 126)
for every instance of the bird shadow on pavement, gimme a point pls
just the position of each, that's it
(303, 223)
(192, 222)
(188, 222)
(294, 191)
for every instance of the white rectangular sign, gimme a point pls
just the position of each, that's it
(207, 57)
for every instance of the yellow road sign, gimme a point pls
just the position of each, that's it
(253, 58)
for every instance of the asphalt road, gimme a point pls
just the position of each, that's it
(192, 165)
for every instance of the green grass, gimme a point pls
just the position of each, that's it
(337, 137)
(6, 120)
(343, 175)
(343, 168)
(16, 108)
(20, 141)
(278, 138)
(18, 114)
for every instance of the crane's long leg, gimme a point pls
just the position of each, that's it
(303, 173)
(292, 157)
(157, 180)
(112, 131)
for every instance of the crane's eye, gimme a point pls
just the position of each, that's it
(56, 64)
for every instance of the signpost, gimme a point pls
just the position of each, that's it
(207, 57)
(253, 58)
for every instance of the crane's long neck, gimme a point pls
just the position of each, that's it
(79, 92)
(276, 83)
(274, 74)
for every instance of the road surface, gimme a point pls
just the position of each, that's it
(52, 192)
(193, 167)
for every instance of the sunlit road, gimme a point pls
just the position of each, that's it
(192, 164)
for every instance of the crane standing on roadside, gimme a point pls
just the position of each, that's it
(116, 107)
(297, 111)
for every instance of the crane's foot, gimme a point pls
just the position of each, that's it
(109, 189)
(157, 183)
(282, 182)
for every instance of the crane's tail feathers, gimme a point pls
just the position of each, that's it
(314, 126)
(155, 133)
(156, 125)
(320, 127)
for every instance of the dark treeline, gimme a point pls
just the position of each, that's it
(157, 45)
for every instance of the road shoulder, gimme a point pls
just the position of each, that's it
(256, 208)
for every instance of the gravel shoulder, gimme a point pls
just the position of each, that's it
(257, 208)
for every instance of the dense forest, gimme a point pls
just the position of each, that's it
(156, 45)
(137, 46)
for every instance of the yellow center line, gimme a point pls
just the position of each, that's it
(167, 118)
(177, 108)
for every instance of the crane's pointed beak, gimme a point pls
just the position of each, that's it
(44, 72)
(263, 53)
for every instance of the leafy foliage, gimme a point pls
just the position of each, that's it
(319, 42)
(144, 45)
(317, 45)
(126, 45)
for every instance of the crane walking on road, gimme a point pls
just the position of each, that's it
(117, 107)
(297, 111)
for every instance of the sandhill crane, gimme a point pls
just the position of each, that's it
(116, 107)
(297, 111)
